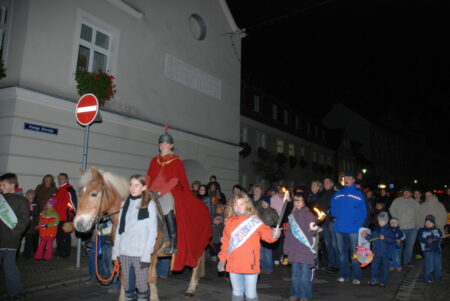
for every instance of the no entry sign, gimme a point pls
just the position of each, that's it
(87, 109)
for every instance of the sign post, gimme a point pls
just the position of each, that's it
(86, 113)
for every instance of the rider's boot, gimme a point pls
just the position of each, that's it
(172, 230)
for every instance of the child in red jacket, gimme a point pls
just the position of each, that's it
(48, 227)
(240, 249)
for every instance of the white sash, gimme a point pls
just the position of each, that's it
(7, 215)
(298, 233)
(243, 232)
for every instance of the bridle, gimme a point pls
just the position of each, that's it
(99, 219)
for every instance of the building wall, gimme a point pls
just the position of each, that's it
(40, 89)
(294, 176)
(119, 144)
(43, 49)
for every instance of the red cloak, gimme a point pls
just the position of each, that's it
(193, 218)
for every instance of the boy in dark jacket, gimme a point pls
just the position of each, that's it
(382, 248)
(430, 240)
(14, 219)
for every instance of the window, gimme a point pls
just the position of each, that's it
(274, 112)
(5, 25)
(321, 160)
(280, 146)
(291, 149)
(297, 121)
(308, 128)
(244, 135)
(256, 103)
(329, 160)
(96, 44)
(314, 156)
(316, 132)
(286, 117)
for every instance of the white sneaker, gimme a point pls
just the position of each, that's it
(276, 262)
(340, 279)
(356, 282)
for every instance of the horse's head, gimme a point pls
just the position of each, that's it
(91, 200)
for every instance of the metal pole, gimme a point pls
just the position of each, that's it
(84, 166)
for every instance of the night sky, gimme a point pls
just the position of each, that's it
(370, 55)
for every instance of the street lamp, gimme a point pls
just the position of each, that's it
(364, 170)
(415, 181)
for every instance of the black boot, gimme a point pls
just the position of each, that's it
(172, 230)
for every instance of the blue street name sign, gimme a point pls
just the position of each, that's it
(40, 128)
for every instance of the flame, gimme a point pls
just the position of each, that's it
(320, 214)
(285, 190)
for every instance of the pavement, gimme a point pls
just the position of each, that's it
(59, 279)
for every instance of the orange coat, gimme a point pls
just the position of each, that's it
(50, 219)
(244, 259)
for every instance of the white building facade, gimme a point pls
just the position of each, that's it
(175, 63)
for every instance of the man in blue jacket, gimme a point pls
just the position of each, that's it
(348, 207)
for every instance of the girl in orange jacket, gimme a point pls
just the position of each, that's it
(240, 249)
(48, 227)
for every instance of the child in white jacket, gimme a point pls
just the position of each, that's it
(135, 238)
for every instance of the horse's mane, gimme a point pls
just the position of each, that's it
(119, 183)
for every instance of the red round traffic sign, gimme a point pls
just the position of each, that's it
(87, 109)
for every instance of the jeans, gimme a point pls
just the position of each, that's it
(244, 283)
(301, 280)
(163, 267)
(395, 260)
(106, 265)
(432, 265)
(13, 283)
(347, 243)
(266, 259)
(331, 244)
(408, 245)
(379, 269)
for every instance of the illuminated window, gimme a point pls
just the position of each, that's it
(280, 146)
(291, 149)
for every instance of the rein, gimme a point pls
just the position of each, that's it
(98, 220)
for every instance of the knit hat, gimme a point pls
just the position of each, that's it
(349, 174)
(166, 137)
(266, 199)
(430, 218)
(394, 220)
(52, 201)
(383, 216)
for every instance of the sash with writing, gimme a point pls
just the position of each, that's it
(7, 215)
(243, 232)
(298, 233)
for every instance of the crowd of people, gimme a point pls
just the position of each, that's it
(306, 228)
(39, 217)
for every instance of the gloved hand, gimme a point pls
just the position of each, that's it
(276, 232)
(145, 265)
(221, 266)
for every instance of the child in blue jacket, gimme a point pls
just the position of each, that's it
(382, 250)
(430, 240)
(395, 262)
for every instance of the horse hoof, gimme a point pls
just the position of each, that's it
(189, 294)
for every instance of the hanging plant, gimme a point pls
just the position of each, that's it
(302, 162)
(246, 149)
(2, 69)
(101, 84)
(292, 161)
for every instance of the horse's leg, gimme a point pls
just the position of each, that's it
(196, 274)
(152, 278)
